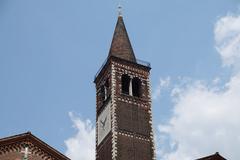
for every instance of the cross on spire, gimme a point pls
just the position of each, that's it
(119, 9)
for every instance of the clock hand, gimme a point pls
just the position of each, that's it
(104, 122)
(101, 122)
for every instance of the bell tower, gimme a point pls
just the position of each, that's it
(123, 103)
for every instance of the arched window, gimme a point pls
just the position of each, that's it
(136, 87)
(105, 90)
(125, 84)
(102, 93)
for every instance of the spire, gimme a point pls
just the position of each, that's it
(121, 46)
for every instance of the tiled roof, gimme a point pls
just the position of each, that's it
(121, 46)
(215, 156)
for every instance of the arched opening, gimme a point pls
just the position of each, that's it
(125, 84)
(136, 87)
(102, 93)
(105, 90)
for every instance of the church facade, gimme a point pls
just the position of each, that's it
(123, 112)
(26, 146)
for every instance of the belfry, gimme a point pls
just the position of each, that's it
(124, 128)
(123, 103)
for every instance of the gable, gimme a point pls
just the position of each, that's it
(12, 148)
(215, 156)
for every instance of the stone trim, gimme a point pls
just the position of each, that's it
(129, 69)
(145, 105)
(113, 113)
(136, 136)
(151, 121)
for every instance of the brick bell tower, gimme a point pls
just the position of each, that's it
(123, 113)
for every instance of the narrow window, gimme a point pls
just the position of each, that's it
(136, 87)
(125, 84)
(102, 93)
(105, 91)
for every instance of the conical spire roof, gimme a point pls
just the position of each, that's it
(121, 46)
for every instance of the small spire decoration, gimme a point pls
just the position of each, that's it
(119, 9)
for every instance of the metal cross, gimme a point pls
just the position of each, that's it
(26, 153)
(120, 8)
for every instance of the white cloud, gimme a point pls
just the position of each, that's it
(206, 117)
(82, 145)
(163, 83)
(205, 121)
(227, 37)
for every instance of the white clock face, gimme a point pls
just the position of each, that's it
(104, 123)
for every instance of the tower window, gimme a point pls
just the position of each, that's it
(136, 87)
(125, 84)
(102, 93)
(105, 90)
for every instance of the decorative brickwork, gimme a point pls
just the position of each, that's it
(131, 115)
(131, 148)
(11, 148)
(134, 118)
(104, 150)
(131, 118)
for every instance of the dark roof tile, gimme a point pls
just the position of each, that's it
(121, 46)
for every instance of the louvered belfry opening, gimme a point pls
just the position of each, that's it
(125, 84)
(136, 87)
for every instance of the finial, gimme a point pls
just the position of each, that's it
(119, 10)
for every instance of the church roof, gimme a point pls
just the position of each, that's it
(17, 142)
(121, 46)
(215, 156)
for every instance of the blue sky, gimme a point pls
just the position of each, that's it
(50, 51)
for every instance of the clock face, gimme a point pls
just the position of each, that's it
(104, 123)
